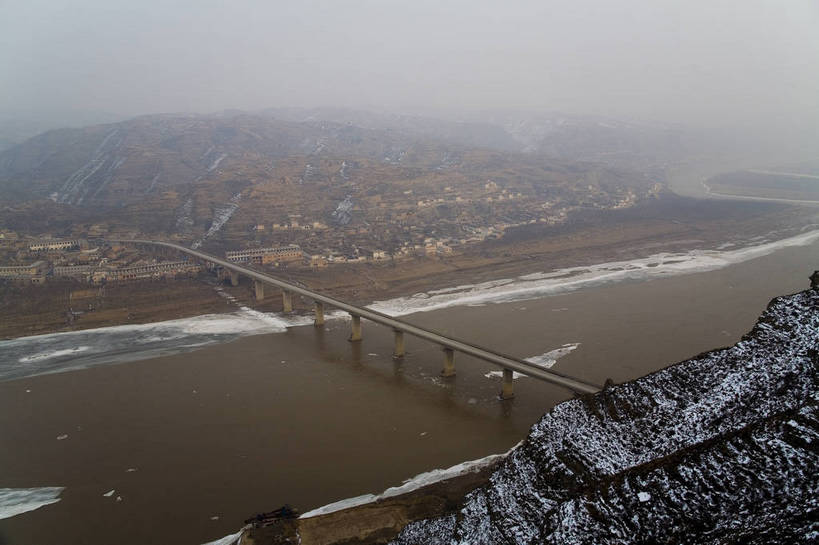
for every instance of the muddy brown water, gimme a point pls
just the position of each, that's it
(305, 417)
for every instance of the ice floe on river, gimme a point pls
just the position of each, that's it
(15, 501)
(544, 361)
(57, 352)
(537, 285)
(227, 540)
(53, 354)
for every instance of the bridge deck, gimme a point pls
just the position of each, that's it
(486, 354)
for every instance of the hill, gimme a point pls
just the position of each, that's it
(214, 179)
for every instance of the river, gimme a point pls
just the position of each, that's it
(204, 422)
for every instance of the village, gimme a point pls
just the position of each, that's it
(98, 262)
(377, 232)
(412, 219)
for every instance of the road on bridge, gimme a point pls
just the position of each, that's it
(506, 362)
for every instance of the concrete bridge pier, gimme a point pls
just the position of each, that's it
(449, 363)
(287, 301)
(318, 307)
(234, 278)
(508, 387)
(259, 290)
(398, 352)
(355, 328)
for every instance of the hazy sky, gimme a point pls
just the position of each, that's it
(709, 61)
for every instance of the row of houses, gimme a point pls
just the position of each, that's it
(264, 256)
(34, 272)
(164, 269)
(54, 245)
(293, 224)
(38, 272)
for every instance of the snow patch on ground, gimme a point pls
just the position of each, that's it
(220, 218)
(215, 164)
(643, 496)
(184, 217)
(153, 184)
(80, 183)
(343, 213)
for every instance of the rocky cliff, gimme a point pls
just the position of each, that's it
(721, 448)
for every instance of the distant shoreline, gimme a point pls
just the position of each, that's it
(716, 194)
(763, 185)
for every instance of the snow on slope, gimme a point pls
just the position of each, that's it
(220, 218)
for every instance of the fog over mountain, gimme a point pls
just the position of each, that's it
(714, 64)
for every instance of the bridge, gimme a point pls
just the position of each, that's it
(450, 345)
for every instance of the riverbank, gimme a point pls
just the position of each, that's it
(671, 225)
(376, 519)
